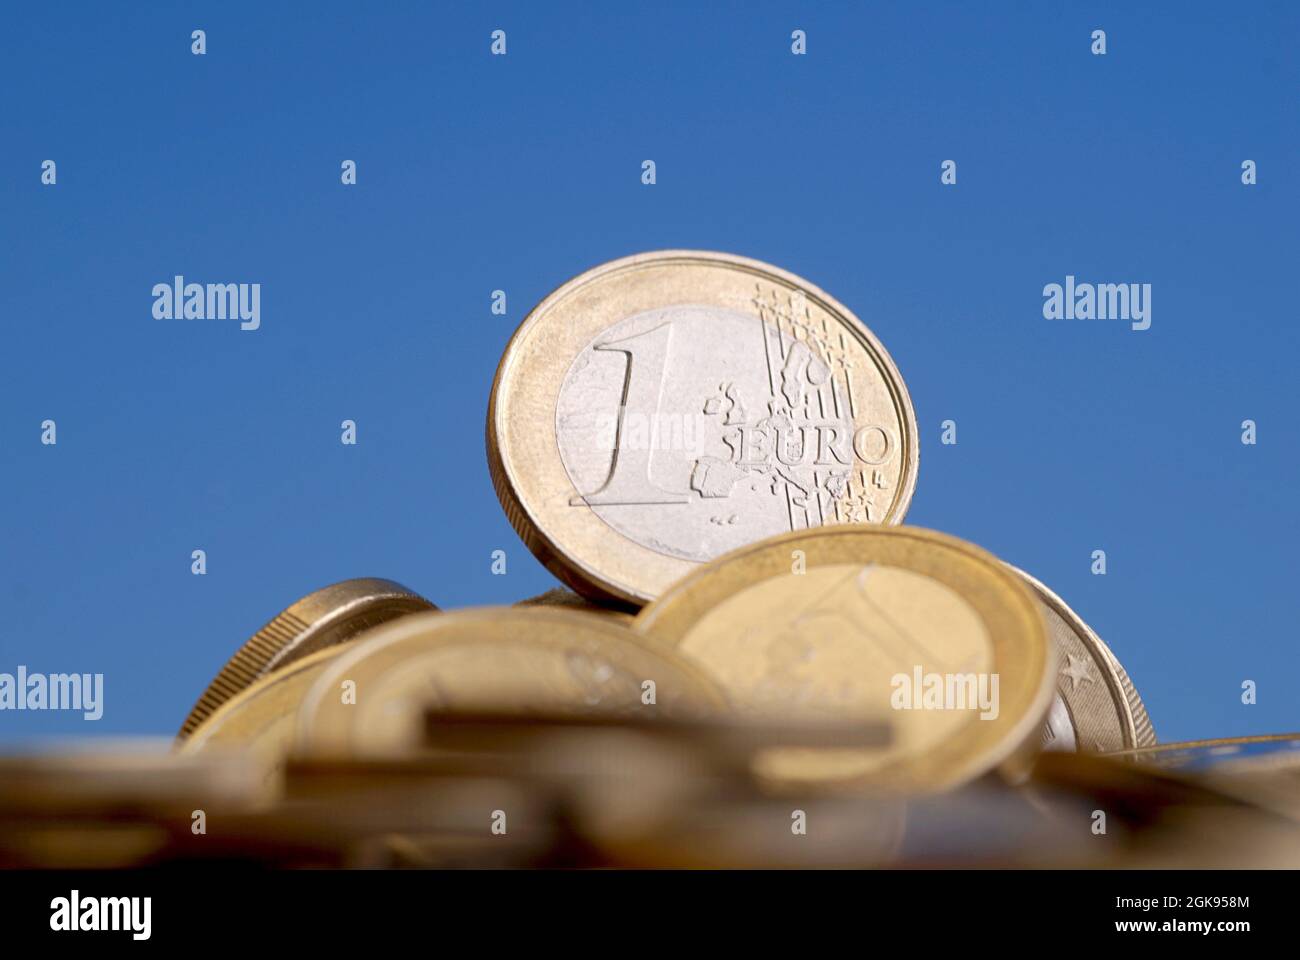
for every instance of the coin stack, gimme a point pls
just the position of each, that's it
(753, 662)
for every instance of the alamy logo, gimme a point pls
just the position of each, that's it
(211, 301)
(55, 691)
(132, 914)
(1101, 301)
(946, 691)
(634, 430)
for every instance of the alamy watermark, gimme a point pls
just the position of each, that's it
(633, 430)
(179, 300)
(54, 691)
(1100, 301)
(75, 913)
(919, 690)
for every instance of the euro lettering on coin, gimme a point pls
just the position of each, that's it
(660, 410)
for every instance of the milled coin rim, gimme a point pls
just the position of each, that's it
(204, 732)
(584, 578)
(322, 733)
(1128, 705)
(941, 768)
(322, 618)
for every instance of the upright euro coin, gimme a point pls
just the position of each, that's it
(663, 409)
(921, 629)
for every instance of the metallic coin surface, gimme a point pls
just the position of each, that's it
(567, 599)
(1096, 706)
(1267, 751)
(332, 615)
(660, 410)
(259, 720)
(109, 805)
(373, 699)
(755, 833)
(1260, 770)
(117, 776)
(918, 628)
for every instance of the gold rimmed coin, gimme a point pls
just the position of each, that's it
(919, 628)
(259, 720)
(373, 699)
(660, 410)
(1096, 706)
(330, 616)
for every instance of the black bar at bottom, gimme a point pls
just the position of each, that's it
(606, 911)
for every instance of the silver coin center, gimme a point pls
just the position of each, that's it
(693, 430)
(1058, 729)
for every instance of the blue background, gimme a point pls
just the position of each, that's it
(479, 172)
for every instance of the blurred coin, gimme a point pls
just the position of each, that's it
(1184, 812)
(522, 659)
(112, 804)
(861, 622)
(332, 615)
(616, 777)
(1275, 750)
(118, 776)
(1135, 792)
(756, 832)
(449, 821)
(981, 825)
(987, 824)
(260, 719)
(560, 597)
(1096, 706)
(723, 737)
(662, 409)
(79, 844)
(1261, 770)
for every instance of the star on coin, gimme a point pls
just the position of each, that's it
(1078, 671)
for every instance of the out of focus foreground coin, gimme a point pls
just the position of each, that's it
(754, 832)
(1262, 770)
(919, 628)
(113, 804)
(1096, 706)
(332, 615)
(260, 719)
(372, 700)
(118, 776)
(660, 410)
(1265, 751)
